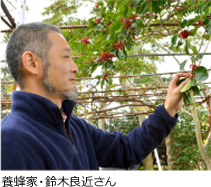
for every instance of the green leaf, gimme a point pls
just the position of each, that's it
(100, 3)
(125, 10)
(180, 81)
(109, 81)
(137, 32)
(201, 74)
(109, 64)
(135, 3)
(209, 29)
(202, 8)
(194, 49)
(198, 57)
(94, 67)
(102, 83)
(149, 6)
(206, 37)
(155, 6)
(144, 7)
(193, 82)
(196, 90)
(186, 87)
(193, 2)
(186, 98)
(187, 47)
(99, 27)
(118, 53)
(110, 2)
(174, 39)
(127, 45)
(182, 65)
(114, 26)
(125, 53)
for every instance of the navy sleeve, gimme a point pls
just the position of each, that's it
(115, 150)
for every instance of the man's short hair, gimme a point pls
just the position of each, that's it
(31, 37)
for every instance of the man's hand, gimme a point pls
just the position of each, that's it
(174, 101)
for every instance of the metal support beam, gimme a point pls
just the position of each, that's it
(86, 26)
(4, 8)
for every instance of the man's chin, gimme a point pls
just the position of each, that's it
(68, 94)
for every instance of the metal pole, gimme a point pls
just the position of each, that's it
(23, 9)
(158, 160)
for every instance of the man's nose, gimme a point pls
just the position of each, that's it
(73, 67)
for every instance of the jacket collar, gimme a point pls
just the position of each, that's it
(40, 108)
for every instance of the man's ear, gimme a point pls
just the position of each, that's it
(30, 63)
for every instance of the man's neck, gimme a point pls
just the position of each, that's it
(52, 97)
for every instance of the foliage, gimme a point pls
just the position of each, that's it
(185, 152)
(130, 22)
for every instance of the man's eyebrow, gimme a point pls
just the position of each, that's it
(67, 50)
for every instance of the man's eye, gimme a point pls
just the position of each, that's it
(67, 57)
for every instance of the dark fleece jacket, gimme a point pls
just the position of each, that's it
(33, 138)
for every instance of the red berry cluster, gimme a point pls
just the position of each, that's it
(119, 45)
(106, 56)
(85, 40)
(134, 16)
(127, 22)
(193, 67)
(184, 34)
(200, 22)
(98, 20)
(105, 75)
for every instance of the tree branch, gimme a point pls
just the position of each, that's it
(167, 51)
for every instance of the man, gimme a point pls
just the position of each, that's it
(36, 137)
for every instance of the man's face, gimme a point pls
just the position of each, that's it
(58, 77)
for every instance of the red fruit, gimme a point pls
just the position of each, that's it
(85, 40)
(184, 34)
(177, 20)
(106, 56)
(96, 5)
(104, 76)
(119, 45)
(98, 20)
(134, 37)
(200, 22)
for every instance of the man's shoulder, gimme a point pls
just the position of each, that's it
(13, 124)
(11, 118)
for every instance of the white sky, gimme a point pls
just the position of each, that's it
(34, 14)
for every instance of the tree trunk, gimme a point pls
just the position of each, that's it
(168, 151)
(203, 152)
(101, 123)
(148, 161)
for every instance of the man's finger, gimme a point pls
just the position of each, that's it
(177, 77)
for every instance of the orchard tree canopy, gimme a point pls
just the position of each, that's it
(121, 27)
